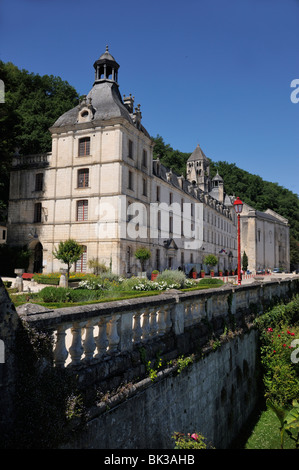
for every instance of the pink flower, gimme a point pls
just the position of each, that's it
(194, 436)
(270, 329)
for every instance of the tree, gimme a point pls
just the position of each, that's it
(32, 105)
(143, 254)
(68, 252)
(244, 261)
(210, 260)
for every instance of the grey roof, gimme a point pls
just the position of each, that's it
(217, 177)
(106, 102)
(197, 155)
(106, 55)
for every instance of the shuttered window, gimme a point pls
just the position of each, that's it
(82, 262)
(39, 181)
(84, 147)
(37, 212)
(83, 178)
(82, 210)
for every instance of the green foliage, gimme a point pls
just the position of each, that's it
(97, 266)
(61, 294)
(170, 158)
(68, 252)
(12, 257)
(252, 189)
(278, 329)
(210, 260)
(289, 421)
(143, 254)
(32, 105)
(172, 277)
(210, 281)
(189, 441)
(183, 362)
(244, 261)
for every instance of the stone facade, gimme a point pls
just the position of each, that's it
(265, 239)
(100, 165)
(101, 187)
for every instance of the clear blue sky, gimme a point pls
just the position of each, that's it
(213, 72)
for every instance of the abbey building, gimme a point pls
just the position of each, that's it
(101, 187)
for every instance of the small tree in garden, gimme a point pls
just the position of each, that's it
(68, 252)
(210, 260)
(244, 261)
(143, 254)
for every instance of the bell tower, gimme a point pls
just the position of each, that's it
(198, 169)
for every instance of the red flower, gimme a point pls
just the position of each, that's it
(284, 345)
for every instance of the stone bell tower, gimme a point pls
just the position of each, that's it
(198, 169)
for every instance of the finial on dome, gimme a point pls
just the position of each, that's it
(107, 48)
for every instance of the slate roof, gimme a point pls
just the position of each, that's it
(106, 102)
(197, 155)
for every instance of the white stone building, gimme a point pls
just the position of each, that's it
(101, 187)
(265, 239)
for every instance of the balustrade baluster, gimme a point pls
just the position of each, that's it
(168, 318)
(196, 313)
(161, 325)
(153, 323)
(188, 314)
(137, 330)
(113, 338)
(101, 340)
(89, 344)
(76, 348)
(60, 351)
(145, 325)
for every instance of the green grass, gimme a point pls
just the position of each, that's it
(266, 433)
(22, 299)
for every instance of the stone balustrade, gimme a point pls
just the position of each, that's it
(38, 160)
(87, 334)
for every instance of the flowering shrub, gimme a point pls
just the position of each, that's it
(189, 441)
(172, 277)
(281, 375)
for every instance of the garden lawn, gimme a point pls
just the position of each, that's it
(266, 433)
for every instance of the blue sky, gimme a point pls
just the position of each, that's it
(213, 72)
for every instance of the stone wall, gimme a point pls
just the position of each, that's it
(213, 396)
(9, 326)
(106, 346)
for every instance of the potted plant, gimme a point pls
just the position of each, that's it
(220, 272)
(143, 254)
(154, 274)
(194, 274)
(211, 260)
(212, 273)
(202, 273)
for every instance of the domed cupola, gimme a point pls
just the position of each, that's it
(106, 68)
